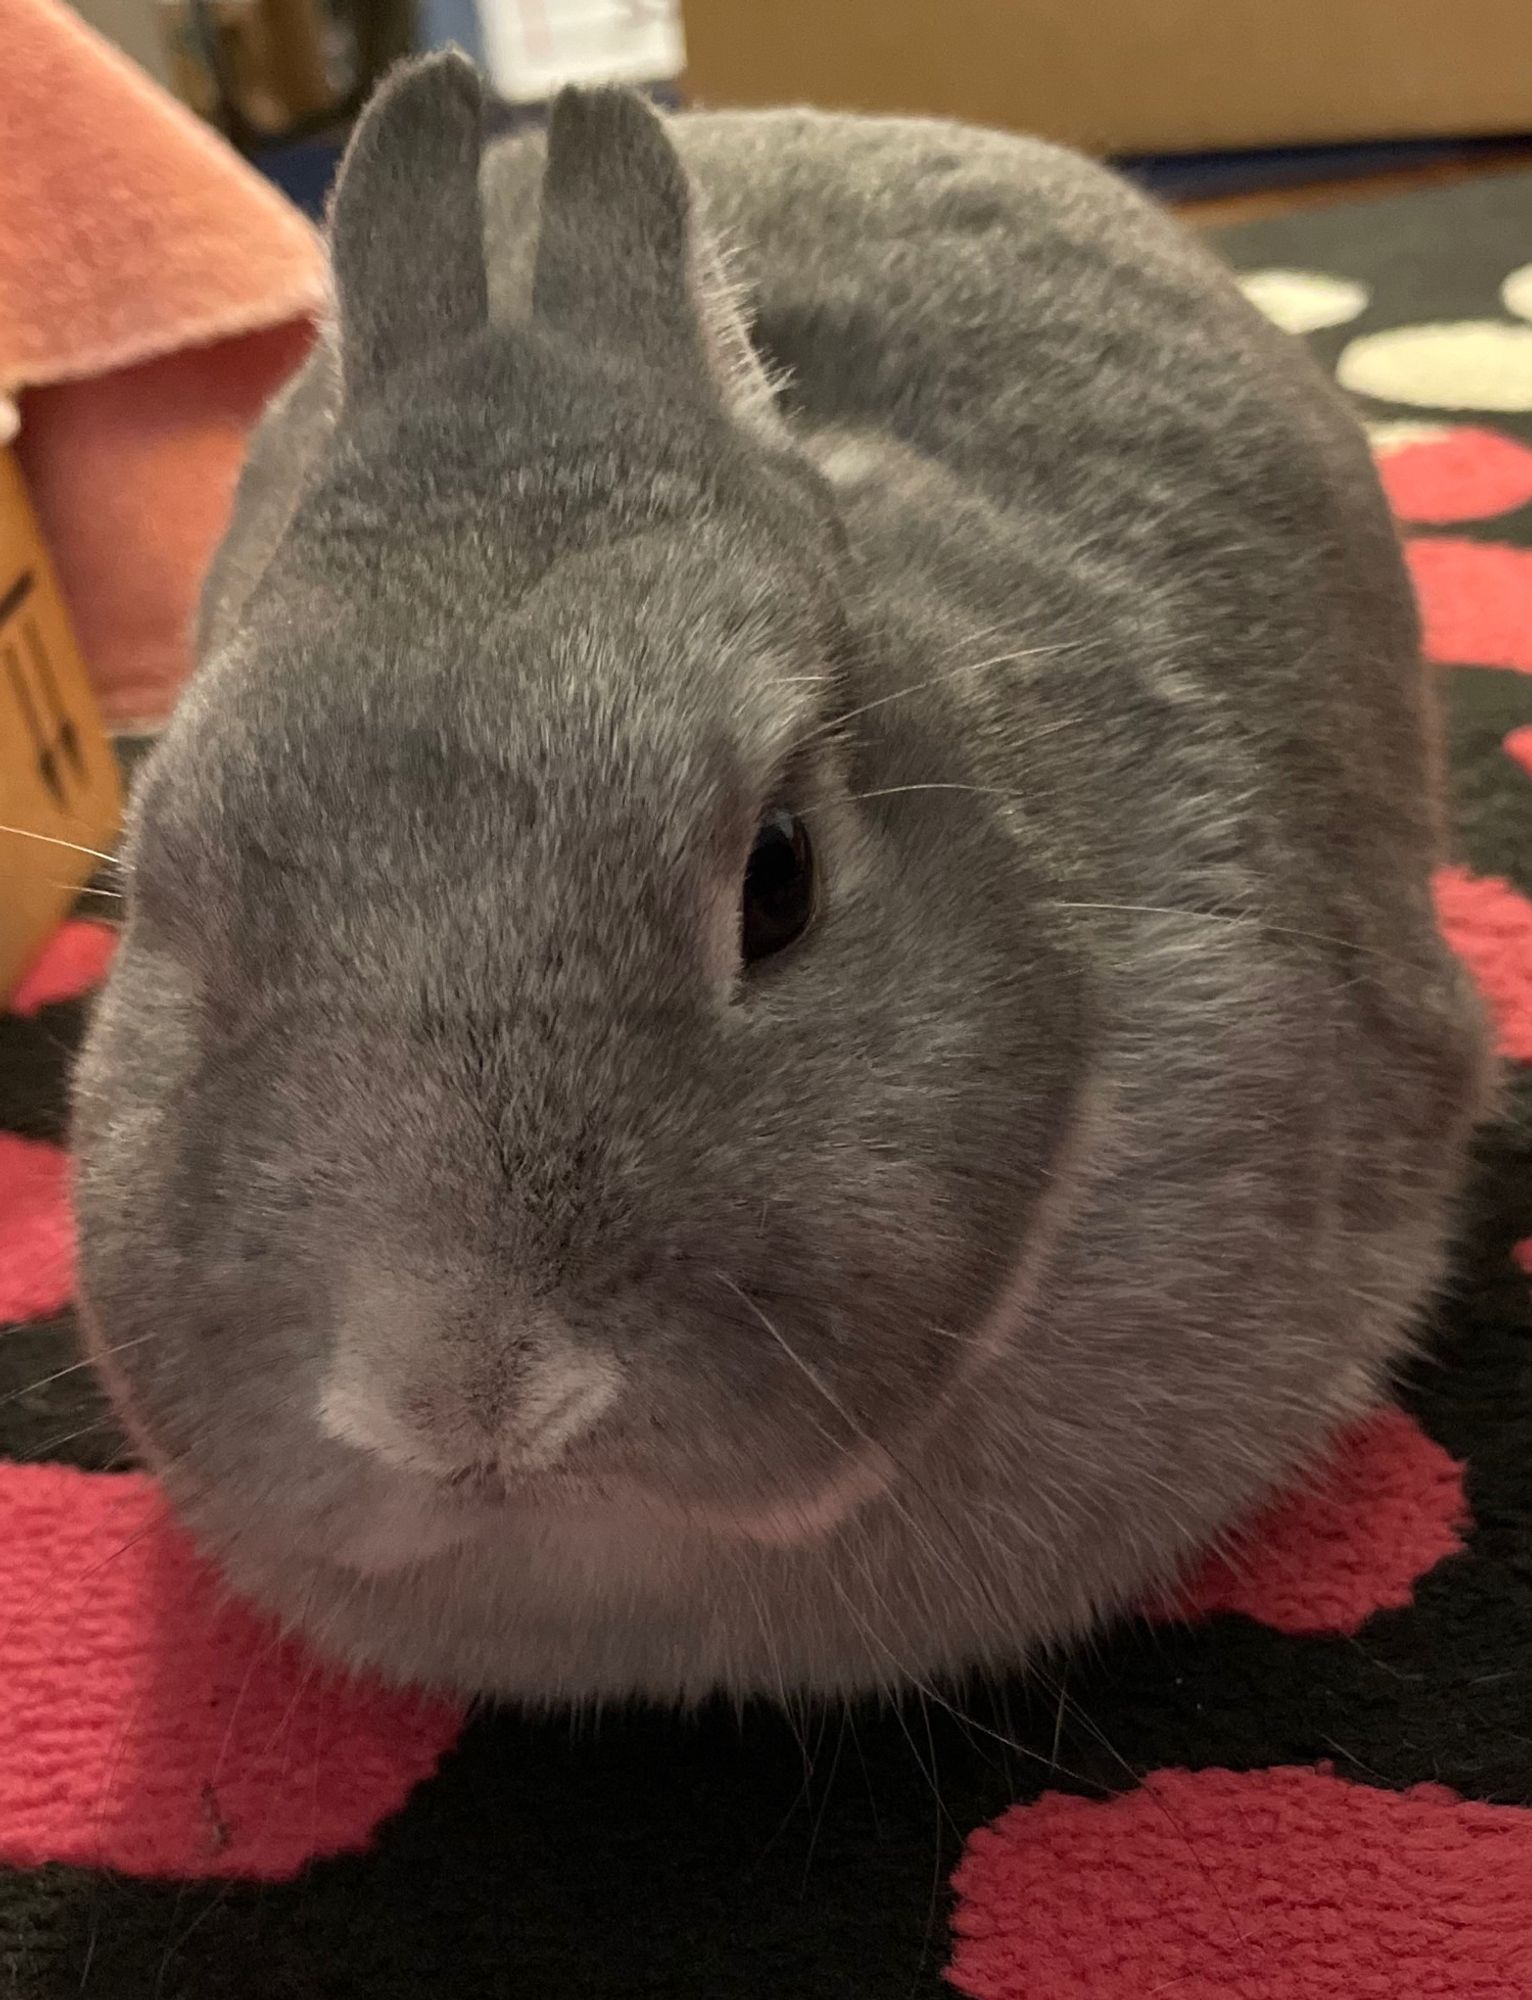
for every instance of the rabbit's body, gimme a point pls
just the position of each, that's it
(946, 1284)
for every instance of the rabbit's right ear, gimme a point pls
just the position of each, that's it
(407, 224)
(624, 255)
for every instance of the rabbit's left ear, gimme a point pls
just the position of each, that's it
(624, 257)
(407, 223)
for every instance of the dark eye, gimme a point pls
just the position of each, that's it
(779, 887)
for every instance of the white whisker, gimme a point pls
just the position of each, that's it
(962, 1580)
(951, 674)
(980, 791)
(1238, 920)
(52, 840)
(89, 1361)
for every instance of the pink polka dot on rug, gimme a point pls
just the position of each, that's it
(1475, 602)
(1518, 747)
(36, 1229)
(73, 963)
(1352, 1539)
(155, 1727)
(1488, 923)
(1285, 1884)
(1467, 474)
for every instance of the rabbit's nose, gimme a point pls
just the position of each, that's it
(477, 1419)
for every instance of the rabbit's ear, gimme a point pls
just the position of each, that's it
(407, 224)
(624, 258)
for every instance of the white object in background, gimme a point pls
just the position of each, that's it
(533, 47)
(1304, 301)
(1516, 292)
(1471, 364)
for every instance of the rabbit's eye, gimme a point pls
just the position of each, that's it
(779, 887)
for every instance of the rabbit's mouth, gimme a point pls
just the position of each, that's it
(402, 1523)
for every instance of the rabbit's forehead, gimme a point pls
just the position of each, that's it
(398, 699)
(669, 644)
(677, 625)
(582, 748)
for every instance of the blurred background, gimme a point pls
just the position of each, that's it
(1202, 99)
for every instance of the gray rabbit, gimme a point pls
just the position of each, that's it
(780, 1024)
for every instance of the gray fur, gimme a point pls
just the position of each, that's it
(409, 192)
(968, 1268)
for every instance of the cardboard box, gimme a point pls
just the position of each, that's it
(59, 788)
(1133, 76)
